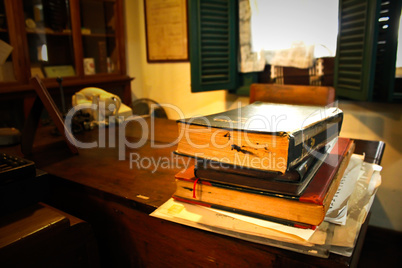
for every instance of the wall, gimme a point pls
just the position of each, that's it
(170, 83)
(163, 82)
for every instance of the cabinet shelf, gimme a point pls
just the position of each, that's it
(48, 32)
(96, 56)
(97, 35)
(15, 88)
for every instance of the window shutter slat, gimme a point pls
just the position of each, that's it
(388, 25)
(213, 44)
(355, 60)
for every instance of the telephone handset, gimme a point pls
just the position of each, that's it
(98, 96)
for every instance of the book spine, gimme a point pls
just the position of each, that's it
(298, 149)
(338, 177)
(243, 189)
(320, 185)
(304, 166)
(206, 168)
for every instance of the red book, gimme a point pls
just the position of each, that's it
(321, 186)
(309, 208)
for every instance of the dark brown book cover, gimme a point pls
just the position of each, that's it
(292, 182)
(210, 169)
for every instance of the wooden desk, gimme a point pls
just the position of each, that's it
(42, 236)
(116, 199)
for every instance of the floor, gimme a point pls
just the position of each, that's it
(382, 248)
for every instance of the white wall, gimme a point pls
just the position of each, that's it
(164, 82)
(170, 83)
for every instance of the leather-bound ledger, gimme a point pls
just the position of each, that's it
(264, 136)
(309, 208)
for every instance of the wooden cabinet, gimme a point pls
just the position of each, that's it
(42, 236)
(81, 41)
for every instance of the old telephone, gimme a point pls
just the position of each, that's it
(101, 104)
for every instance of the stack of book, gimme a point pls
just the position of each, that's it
(272, 161)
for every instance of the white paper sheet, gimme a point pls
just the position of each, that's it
(345, 236)
(5, 50)
(200, 215)
(338, 209)
(302, 233)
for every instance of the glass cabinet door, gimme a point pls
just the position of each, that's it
(49, 37)
(98, 29)
(6, 64)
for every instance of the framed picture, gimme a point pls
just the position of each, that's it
(166, 30)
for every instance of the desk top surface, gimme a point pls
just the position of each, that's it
(144, 184)
(144, 175)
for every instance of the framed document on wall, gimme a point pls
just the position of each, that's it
(166, 30)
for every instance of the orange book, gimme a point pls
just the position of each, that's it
(263, 136)
(308, 209)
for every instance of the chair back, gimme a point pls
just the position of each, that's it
(292, 94)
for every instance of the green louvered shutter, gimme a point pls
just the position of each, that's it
(213, 44)
(356, 49)
(387, 45)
